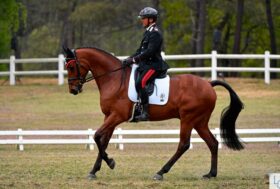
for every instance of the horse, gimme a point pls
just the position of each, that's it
(191, 99)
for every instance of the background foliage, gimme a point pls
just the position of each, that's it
(31, 28)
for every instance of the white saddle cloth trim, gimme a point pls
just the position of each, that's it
(160, 94)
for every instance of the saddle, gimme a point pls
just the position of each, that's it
(158, 91)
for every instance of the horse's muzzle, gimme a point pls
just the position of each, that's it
(76, 90)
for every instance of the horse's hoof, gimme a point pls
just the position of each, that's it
(92, 177)
(112, 164)
(208, 176)
(158, 177)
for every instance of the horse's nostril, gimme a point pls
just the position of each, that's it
(74, 91)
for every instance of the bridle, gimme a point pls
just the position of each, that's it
(78, 65)
(75, 61)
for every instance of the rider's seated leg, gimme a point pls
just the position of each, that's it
(144, 98)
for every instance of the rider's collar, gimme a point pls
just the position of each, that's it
(150, 27)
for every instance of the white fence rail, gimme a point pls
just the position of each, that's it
(121, 137)
(214, 57)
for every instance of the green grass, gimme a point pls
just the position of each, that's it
(42, 105)
(60, 167)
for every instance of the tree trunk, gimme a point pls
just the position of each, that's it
(219, 44)
(201, 33)
(156, 5)
(237, 36)
(273, 43)
(67, 31)
(217, 33)
(194, 32)
(15, 42)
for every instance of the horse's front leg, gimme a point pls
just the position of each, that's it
(102, 143)
(102, 138)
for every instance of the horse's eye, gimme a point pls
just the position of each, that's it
(71, 68)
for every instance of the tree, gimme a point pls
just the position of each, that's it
(272, 37)
(195, 18)
(201, 31)
(238, 32)
(9, 24)
(12, 22)
(67, 37)
(177, 27)
(220, 43)
(218, 31)
(189, 27)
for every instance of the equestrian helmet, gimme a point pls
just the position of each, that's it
(148, 12)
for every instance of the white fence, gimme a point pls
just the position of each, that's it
(214, 57)
(12, 73)
(121, 137)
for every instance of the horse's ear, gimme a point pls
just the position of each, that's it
(68, 52)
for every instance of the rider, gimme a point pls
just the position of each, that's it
(148, 57)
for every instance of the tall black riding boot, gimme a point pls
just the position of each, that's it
(144, 101)
(145, 113)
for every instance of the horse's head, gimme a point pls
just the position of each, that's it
(76, 72)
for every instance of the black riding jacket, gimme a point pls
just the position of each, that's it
(148, 55)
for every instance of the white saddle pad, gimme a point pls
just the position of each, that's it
(160, 94)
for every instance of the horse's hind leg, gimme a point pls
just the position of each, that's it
(184, 144)
(212, 144)
(96, 167)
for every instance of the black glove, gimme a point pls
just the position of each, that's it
(128, 61)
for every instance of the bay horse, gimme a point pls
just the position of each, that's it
(191, 99)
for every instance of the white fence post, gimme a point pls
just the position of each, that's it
(191, 145)
(214, 65)
(12, 70)
(120, 137)
(218, 137)
(20, 139)
(90, 138)
(266, 67)
(60, 69)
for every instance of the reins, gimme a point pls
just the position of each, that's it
(90, 78)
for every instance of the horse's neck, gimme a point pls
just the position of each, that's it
(103, 68)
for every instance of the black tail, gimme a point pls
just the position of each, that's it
(228, 118)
